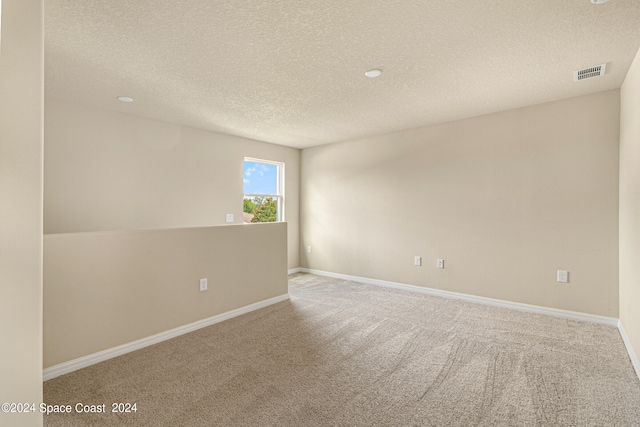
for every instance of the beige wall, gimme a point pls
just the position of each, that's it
(107, 289)
(505, 199)
(21, 106)
(111, 171)
(630, 204)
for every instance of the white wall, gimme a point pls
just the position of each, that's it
(630, 205)
(21, 106)
(111, 171)
(505, 199)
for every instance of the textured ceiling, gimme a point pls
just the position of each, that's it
(291, 72)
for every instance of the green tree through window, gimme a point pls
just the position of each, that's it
(263, 191)
(266, 210)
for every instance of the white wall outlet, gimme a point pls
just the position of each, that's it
(308, 249)
(563, 276)
(203, 285)
(440, 263)
(229, 217)
(417, 261)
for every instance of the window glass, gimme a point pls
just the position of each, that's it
(263, 191)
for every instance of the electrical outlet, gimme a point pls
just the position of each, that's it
(229, 217)
(563, 276)
(417, 261)
(440, 263)
(203, 285)
(308, 249)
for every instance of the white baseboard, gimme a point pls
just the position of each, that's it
(573, 315)
(92, 359)
(632, 354)
(294, 270)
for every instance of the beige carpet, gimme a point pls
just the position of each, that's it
(346, 354)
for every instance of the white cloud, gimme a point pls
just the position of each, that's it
(249, 171)
(245, 180)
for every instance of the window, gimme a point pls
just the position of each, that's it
(263, 183)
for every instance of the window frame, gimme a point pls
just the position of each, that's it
(280, 209)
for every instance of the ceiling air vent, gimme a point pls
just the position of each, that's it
(589, 73)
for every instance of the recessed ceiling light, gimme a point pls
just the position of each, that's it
(373, 73)
(125, 99)
(599, 1)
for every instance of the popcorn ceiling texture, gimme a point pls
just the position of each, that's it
(291, 72)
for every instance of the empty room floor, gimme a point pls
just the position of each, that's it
(340, 353)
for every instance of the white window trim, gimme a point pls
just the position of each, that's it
(280, 215)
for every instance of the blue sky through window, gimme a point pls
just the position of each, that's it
(260, 178)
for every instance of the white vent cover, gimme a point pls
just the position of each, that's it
(588, 73)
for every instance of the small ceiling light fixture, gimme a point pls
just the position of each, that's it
(599, 1)
(373, 73)
(125, 99)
